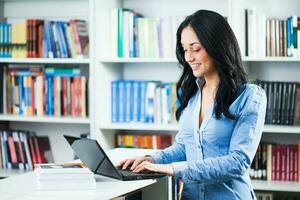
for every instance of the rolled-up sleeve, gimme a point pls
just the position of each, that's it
(242, 148)
(174, 153)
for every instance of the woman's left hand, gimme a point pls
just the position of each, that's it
(159, 168)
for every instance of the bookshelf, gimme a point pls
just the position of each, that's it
(277, 186)
(66, 61)
(166, 69)
(54, 127)
(103, 68)
(45, 119)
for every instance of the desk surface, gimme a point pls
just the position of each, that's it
(23, 187)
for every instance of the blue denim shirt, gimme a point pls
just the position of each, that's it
(214, 161)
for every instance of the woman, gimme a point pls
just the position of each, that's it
(220, 115)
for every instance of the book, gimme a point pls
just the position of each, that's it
(71, 176)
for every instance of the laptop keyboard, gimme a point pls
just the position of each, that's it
(128, 173)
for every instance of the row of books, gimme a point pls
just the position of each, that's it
(35, 38)
(143, 101)
(264, 195)
(136, 36)
(36, 92)
(276, 162)
(271, 37)
(283, 102)
(22, 150)
(146, 141)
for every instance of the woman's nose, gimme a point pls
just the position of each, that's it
(189, 56)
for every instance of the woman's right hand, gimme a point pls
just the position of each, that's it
(134, 162)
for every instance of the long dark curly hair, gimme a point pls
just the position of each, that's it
(218, 39)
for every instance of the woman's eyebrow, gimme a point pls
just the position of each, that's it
(190, 43)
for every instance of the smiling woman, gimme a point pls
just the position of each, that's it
(220, 115)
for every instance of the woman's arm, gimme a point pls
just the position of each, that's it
(244, 142)
(174, 153)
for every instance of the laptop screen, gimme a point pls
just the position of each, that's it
(91, 154)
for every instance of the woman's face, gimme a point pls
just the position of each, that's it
(195, 54)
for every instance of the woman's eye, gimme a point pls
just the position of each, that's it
(196, 50)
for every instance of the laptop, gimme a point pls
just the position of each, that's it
(90, 153)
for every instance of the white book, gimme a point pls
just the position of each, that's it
(126, 35)
(261, 35)
(166, 38)
(269, 162)
(295, 25)
(157, 105)
(164, 106)
(150, 95)
(114, 32)
(64, 177)
(67, 185)
(272, 38)
(252, 32)
(23, 138)
(277, 39)
(70, 168)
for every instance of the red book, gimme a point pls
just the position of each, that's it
(296, 163)
(32, 150)
(166, 141)
(274, 162)
(288, 162)
(37, 150)
(73, 96)
(40, 29)
(65, 95)
(12, 151)
(283, 162)
(292, 160)
(34, 39)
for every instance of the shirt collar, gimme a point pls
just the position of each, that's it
(200, 82)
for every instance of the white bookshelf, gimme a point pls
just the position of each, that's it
(103, 68)
(4, 173)
(141, 127)
(45, 60)
(264, 68)
(45, 119)
(271, 59)
(278, 186)
(173, 127)
(53, 127)
(139, 60)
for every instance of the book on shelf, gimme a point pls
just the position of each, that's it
(32, 91)
(147, 141)
(283, 102)
(134, 35)
(71, 176)
(271, 36)
(36, 38)
(264, 195)
(143, 101)
(276, 162)
(22, 150)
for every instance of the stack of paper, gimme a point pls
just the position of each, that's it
(71, 176)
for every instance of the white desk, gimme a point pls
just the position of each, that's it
(23, 187)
